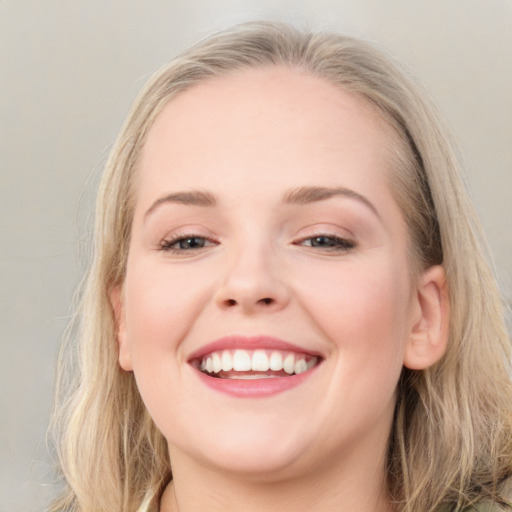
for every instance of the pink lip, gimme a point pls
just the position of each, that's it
(257, 388)
(254, 388)
(249, 343)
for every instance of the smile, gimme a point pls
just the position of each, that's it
(253, 366)
(256, 364)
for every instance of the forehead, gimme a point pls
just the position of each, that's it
(240, 125)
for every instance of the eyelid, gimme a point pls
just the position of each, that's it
(344, 240)
(325, 228)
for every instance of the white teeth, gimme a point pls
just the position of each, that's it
(276, 361)
(216, 362)
(257, 361)
(227, 361)
(242, 361)
(260, 362)
(251, 376)
(289, 364)
(300, 366)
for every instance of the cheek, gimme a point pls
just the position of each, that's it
(363, 310)
(162, 303)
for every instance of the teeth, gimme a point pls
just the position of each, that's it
(257, 361)
(227, 361)
(276, 361)
(242, 361)
(289, 364)
(251, 376)
(300, 366)
(260, 362)
(216, 363)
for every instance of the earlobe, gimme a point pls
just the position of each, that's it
(430, 325)
(116, 300)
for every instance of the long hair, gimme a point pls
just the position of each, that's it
(451, 440)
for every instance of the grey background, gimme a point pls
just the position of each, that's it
(70, 69)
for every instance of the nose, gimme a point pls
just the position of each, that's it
(253, 282)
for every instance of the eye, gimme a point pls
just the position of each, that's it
(328, 242)
(185, 243)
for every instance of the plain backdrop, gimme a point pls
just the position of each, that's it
(69, 71)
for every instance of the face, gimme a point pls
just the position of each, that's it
(268, 301)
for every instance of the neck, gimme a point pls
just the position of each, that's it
(353, 487)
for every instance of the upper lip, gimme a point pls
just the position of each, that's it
(260, 342)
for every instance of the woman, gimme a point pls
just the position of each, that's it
(288, 302)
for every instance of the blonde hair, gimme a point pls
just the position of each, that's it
(451, 442)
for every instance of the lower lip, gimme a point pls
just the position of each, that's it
(254, 388)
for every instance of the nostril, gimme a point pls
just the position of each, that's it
(265, 301)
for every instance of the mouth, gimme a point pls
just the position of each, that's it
(253, 366)
(245, 364)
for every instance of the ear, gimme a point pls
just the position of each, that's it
(430, 323)
(125, 356)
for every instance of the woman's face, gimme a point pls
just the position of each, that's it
(265, 234)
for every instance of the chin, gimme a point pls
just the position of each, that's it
(256, 465)
(253, 453)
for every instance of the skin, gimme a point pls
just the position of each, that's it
(249, 139)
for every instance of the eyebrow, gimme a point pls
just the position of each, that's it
(192, 198)
(297, 196)
(307, 195)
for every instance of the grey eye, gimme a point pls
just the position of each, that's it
(328, 242)
(192, 242)
(185, 243)
(324, 241)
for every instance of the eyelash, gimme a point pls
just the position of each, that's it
(167, 245)
(337, 244)
(332, 243)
